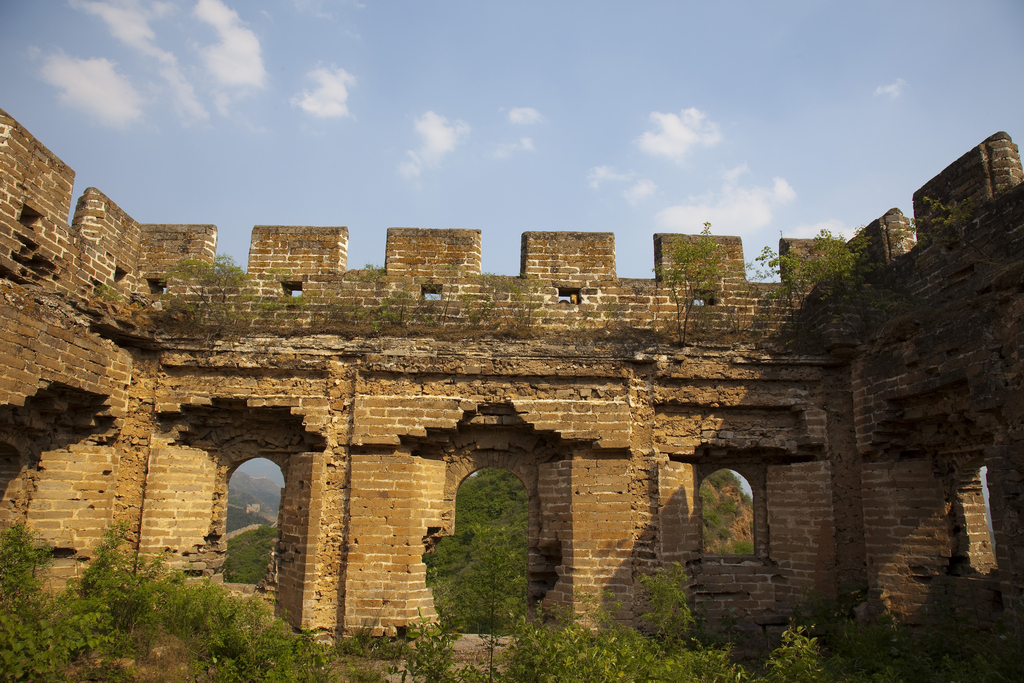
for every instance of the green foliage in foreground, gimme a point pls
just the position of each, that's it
(249, 555)
(829, 648)
(106, 626)
(113, 624)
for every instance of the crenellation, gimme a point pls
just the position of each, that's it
(865, 458)
(568, 258)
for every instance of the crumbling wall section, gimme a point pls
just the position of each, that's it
(936, 398)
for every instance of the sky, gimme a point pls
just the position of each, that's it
(762, 118)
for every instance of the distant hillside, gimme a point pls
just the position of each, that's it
(244, 491)
(728, 515)
(249, 555)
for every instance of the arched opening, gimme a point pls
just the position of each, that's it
(10, 484)
(254, 498)
(478, 575)
(983, 473)
(970, 522)
(727, 514)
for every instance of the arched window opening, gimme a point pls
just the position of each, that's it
(983, 473)
(973, 547)
(10, 468)
(254, 496)
(478, 575)
(727, 514)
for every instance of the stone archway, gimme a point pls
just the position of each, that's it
(518, 449)
(188, 485)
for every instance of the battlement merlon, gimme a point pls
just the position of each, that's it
(298, 250)
(568, 257)
(432, 253)
(734, 268)
(164, 245)
(988, 170)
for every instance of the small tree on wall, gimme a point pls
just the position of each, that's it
(208, 299)
(834, 266)
(693, 276)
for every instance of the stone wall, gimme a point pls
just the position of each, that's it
(864, 457)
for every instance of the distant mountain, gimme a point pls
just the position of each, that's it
(245, 492)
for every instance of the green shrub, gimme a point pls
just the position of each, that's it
(40, 633)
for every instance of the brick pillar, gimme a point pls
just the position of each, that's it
(73, 503)
(178, 509)
(906, 536)
(596, 531)
(679, 524)
(301, 532)
(394, 497)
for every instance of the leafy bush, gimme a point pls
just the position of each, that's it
(122, 605)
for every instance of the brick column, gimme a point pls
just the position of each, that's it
(394, 497)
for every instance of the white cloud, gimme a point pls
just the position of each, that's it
(95, 87)
(330, 97)
(439, 138)
(679, 134)
(893, 90)
(640, 190)
(733, 211)
(525, 116)
(809, 230)
(234, 61)
(507, 149)
(733, 174)
(600, 174)
(128, 21)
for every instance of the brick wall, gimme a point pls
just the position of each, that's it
(72, 504)
(36, 349)
(801, 531)
(178, 510)
(35, 200)
(678, 519)
(888, 237)
(290, 254)
(394, 498)
(991, 168)
(109, 242)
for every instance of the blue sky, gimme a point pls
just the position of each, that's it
(760, 117)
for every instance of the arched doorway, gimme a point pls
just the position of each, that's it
(254, 500)
(478, 575)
